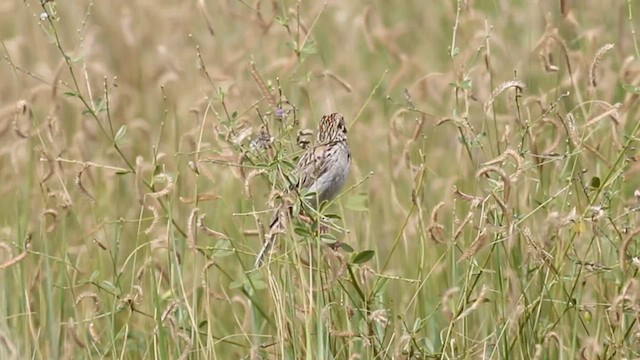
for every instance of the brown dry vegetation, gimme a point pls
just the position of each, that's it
(495, 176)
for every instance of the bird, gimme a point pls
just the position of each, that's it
(323, 169)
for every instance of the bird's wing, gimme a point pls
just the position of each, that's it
(311, 165)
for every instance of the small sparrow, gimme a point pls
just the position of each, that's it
(323, 169)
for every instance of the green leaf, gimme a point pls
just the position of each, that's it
(346, 247)
(123, 172)
(465, 84)
(631, 88)
(94, 276)
(362, 257)
(357, 202)
(222, 248)
(71, 93)
(309, 48)
(328, 239)
(302, 231)
(100, 105)
(595, 182)
(107, 285)
(235, 284)
(120, 134)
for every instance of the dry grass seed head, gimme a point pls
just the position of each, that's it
(93, 333)
(156, 220)
(479, 242)
(596, 60)
(71, 327)
(446, 301)
(54, 219)
(22, 109)
(476, 303)
(16, 259)
(138, 179)
(263, 86)
(247, 181)
(519, 85)
(506, 181)
(380, 316)
(466, 197)
(208, 231)
(572, 130)
(167, 189)
(79, 184)
(517, 159)
(93, 296)
(187, 347)
(467, 220)
(191, 232)
(173, 305)
(436, 230)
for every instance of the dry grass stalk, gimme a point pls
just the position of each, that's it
(8, 345)
(50, 167)
(339, 80)
(547, 61)
(612, 112)
(200, 198)
(206, 16)
(138, 180)
(625, 246)
(540, 256)
(466, 220)
(100, 244)
(596, 60)
(550, 149)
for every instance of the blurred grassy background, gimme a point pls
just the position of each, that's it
(122, 122)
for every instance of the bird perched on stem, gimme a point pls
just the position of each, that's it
(323, 169)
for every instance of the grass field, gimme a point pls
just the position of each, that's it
(491, 210)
